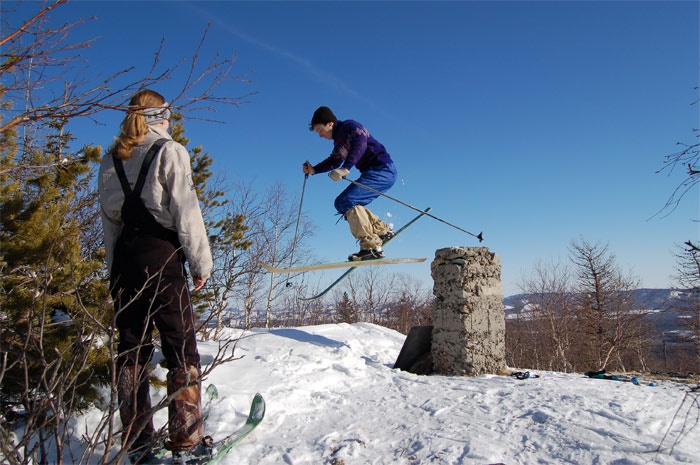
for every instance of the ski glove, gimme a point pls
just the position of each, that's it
(340, 173)
(308, 168)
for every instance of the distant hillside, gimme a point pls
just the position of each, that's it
(648, 299)
(669, 306)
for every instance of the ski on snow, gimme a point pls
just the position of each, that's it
(256, 415)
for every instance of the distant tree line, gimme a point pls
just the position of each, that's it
(395, 301)
(582, 317)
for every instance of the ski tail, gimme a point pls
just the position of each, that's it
(210, 395)
(256, 415)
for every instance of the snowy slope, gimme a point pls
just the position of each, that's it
(333, 398)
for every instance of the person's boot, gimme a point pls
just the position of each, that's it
(133, 394)
(200, 452)
(185, 423)
(366, 254)
(386, 236)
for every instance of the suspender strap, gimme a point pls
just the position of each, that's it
(145, 166)
(119, 167)
(138, 221)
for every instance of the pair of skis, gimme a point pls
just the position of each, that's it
(353, 265)
(223, 446)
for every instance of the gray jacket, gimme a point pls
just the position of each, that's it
(168, 193)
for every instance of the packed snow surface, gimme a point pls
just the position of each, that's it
(333, 398)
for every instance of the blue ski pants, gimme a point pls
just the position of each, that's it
(380, 179)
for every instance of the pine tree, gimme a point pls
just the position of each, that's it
(52, 295)
(346, 310)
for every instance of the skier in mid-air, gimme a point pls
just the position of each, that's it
(354, 146)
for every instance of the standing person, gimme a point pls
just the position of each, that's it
(148, 237)
(353, 146)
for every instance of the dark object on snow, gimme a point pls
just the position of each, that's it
(415, 356)
(601, 374)
(524, 375)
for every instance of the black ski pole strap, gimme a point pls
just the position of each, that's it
(145, 166)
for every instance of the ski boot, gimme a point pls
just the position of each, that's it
(387, 236)
(202, 452)
(366, 254)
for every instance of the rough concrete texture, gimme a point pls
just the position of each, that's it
(468, 321)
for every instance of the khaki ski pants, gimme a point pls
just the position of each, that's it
(366, 227)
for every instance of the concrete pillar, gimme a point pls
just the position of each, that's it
(469, 321)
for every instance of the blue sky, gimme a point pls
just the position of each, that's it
(534, 122)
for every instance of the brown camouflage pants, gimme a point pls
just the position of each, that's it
(185, 425)
(135, 407)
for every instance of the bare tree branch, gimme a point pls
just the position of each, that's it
(688, 156)
(34, 55)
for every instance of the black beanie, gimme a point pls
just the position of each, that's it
(322, 115)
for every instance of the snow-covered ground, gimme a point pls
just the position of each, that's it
(333, 398)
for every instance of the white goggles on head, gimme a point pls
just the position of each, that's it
(155, 115)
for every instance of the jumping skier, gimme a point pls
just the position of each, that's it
(353, 146)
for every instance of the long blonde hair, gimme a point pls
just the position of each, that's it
(134, 127)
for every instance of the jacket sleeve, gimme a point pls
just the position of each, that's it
(332, 162)
(111, 229)
(185, 210)
(110, 200)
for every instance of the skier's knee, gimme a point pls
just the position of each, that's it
(342, 205)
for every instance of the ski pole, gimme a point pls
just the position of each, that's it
(296, 231)
(478, 236)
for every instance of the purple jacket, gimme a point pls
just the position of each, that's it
(353, 146)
